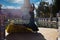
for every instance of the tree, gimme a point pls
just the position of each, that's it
(43, 9)
(55, 7)
(57, 4)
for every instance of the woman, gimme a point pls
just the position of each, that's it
(32, 23)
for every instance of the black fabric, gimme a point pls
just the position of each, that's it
(31, 23)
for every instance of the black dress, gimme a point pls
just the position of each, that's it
(31, 23)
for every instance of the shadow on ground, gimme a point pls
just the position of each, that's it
(25, 36)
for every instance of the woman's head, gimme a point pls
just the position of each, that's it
(32, 7)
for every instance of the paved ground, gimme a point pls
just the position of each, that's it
(59, 34)
(49, 33)
(43, 34)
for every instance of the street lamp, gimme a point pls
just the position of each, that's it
(0, 6)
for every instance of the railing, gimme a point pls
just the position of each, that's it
(41, 22)
(46, 22)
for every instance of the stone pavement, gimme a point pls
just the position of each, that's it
(49, 33)
(43, 34)
(59, 33)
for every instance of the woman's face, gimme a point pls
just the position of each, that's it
(31, 8)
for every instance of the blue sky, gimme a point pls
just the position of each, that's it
(17, 3)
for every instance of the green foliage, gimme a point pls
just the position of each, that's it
(43, 9)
